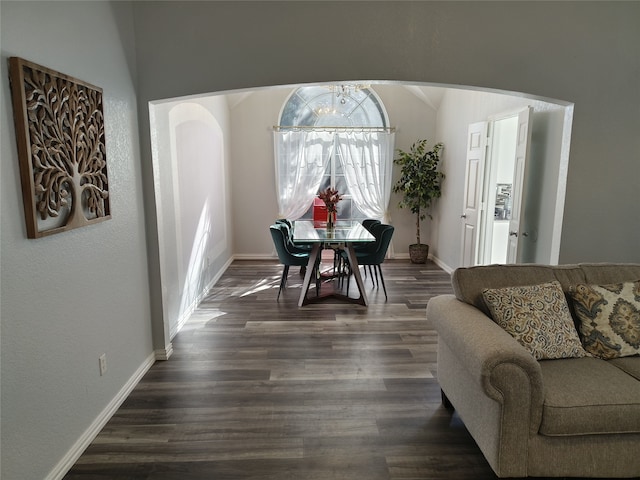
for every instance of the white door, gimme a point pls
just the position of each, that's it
(517, 232)
(472, 205)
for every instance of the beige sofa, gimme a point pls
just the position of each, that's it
(570, 417)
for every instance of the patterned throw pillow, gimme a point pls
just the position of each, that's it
(609, 318)
(538, 317)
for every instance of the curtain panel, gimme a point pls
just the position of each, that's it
(367, 162)
(301, 159)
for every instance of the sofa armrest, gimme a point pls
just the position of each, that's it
(502, 368)
(493, 382)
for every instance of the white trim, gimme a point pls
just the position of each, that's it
(72, 456)
(442, 265)
(254, 256)
(395, 256)
(436, 260)
(163, 353)
(184, 317)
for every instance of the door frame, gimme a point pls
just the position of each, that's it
(484, 220)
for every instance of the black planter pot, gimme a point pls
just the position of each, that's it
(418, 253)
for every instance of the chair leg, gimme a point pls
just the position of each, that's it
(382, 279)
(283, 280)
(317, 272)
(343, 271)
(336, 262)
(349, 277)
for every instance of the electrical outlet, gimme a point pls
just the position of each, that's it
(103, 363)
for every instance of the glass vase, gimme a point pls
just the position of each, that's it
(331, 220)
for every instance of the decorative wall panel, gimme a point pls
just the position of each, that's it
(61, 149)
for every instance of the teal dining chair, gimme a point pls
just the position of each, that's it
(286, 257)
(369, 222)
(374, 257)
(287, 225)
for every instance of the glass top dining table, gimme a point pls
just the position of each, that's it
(344, 231)
(343, 235)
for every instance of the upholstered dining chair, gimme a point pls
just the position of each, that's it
(375, 257)
(292, 247)
(375, 228)
(286, 257)
(368, 222)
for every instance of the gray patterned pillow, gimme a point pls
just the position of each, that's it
(538, 317)
(609, 318)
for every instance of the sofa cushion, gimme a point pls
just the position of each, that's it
(586, 396)
(630, 365)
(609, 318)
(538, 317)
(602, 273)
(469, 282)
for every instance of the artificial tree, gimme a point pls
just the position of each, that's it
(420, 182)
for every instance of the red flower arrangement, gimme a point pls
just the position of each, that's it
(330, 197)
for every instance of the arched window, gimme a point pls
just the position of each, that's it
(334, 136)
(334, 106)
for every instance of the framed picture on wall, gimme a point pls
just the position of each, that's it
(61, 149)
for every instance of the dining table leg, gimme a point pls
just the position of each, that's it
(353, 262)
(311, 271)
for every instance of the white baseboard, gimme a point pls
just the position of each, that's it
(163, 353)
(441, 264)
(436, 260)
(71, 457)
(254, 256)
(194, 305)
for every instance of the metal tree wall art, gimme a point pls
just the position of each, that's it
(61, 149)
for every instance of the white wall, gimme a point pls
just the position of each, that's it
(253, 197)
(414, 120)
(253, 170)
(70, 297)
(191, 169)
(254, 113)
(458, 109)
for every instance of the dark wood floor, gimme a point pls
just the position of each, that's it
(259, 389)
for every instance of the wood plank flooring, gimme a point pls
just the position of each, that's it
(259, 389)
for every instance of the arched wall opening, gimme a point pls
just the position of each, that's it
(416, 110)
(508, 46)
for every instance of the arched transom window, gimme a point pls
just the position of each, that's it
(334, 106)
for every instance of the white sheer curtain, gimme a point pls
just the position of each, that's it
(301, 161)
(367, 161)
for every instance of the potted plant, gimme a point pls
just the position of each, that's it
(420, 182)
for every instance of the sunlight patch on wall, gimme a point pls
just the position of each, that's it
(197, 163)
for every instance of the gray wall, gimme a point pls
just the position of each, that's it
(70, 297)
(585, 53)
